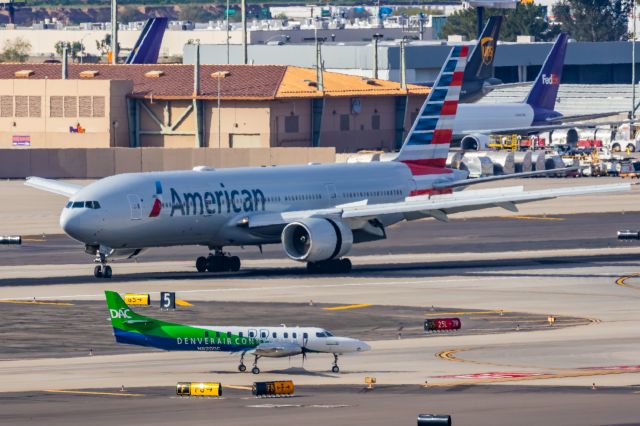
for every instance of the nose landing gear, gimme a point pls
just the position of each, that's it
(218, 262)
(335, 367)
(102, 270)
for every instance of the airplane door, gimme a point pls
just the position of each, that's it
(135, 203)
(331, 192)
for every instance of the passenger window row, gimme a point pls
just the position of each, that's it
(83, 204)
(372, 193)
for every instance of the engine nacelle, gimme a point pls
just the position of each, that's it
(475, 142)
(316, 239)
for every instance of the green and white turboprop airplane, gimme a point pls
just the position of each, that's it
(276, 342)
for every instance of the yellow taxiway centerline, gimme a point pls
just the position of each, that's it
(35, 302)
(341, 308)
(93, 393)
(621, 281)
(535, 218)
(180, 302)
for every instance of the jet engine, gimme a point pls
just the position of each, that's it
(316, 239)
(475, 142)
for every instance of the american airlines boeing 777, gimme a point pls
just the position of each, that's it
(317, 212)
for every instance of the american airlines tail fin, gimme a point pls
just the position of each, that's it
(480, 65)
(427, 143)
(544, 90)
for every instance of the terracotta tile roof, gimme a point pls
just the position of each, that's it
(296, 84)
(240, 82)
(243, 81)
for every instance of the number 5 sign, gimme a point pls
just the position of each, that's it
(167, 300)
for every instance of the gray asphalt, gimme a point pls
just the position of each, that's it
(331, 405)
(430, 236)
(86, 325)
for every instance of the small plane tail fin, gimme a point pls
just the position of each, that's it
(544, 90)
(121, 314)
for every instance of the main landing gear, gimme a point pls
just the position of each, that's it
(335, 367)
(242, 368)
(218, 262)
(333, 266)
(102, 270)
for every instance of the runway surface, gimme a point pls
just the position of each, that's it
(496, 234)
(87, 328)
(572, 267)
(335, 405)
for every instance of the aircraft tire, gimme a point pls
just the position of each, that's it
(345, 265)
(214, 263)
(106, 272)
(242, 368)
(335, 369)
(201, 264)
(97, 271)
(255, 370)
(234, 263)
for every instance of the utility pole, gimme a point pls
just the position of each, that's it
(319, 66)
(375, 39)
(243, 10)
(226, 24)
(633, 66)
(403, 65)
(114, 31)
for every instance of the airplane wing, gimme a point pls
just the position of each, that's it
(578, 117)
(276, 350)
(475, 181)
(55, 186)
(437, 206)
(542, 128)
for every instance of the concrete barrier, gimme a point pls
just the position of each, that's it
(94, 163)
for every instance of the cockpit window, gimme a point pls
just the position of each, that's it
(83, 204)
(321, 334)
(328, 333)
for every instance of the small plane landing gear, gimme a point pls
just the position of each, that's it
(333, 266)
(255, 369)
(335, 367)
(218, 262)
(242, 368)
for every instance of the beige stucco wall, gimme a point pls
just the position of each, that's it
(237, 118)
(45, 131)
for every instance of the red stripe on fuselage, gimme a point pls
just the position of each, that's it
(431, 166)
(430, 192)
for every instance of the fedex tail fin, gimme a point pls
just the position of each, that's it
(544, 91)
(480, 65)
(147, 47)
(427, 143)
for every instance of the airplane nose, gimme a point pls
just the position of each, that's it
(362, 346)
(77, 224)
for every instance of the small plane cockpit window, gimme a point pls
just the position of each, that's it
(321, 334)
(328, 333)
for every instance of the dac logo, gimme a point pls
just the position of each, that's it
(550, 80)
(120, 313)
(487, 48)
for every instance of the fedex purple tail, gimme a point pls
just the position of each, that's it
(426, 146)
(544, 91)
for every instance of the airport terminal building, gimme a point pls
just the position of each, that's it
(224, 106)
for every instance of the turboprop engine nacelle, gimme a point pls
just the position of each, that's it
(316, 239)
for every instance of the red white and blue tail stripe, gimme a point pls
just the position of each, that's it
(427, 144)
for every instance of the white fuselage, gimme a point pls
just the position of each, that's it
(206, 207)
(473, 117)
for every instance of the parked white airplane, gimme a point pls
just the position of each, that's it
(260, 341)
(317, 212)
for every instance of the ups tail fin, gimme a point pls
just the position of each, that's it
(544, 90)
(480, 65)
(427, 143)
